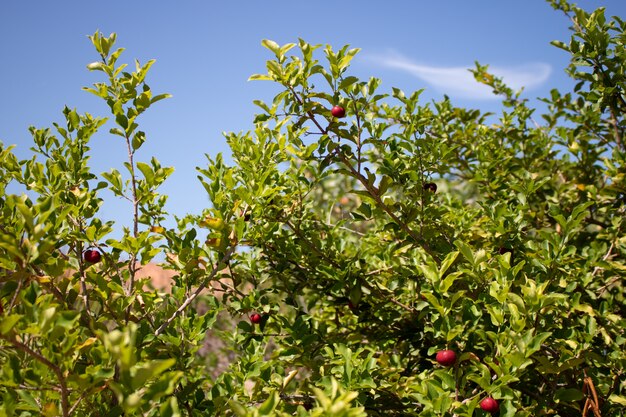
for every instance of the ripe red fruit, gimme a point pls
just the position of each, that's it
(430, 186)
(255, 318)
(489, 405)
(338, 112)
(502, 250)
(92, 256)
(446, 357)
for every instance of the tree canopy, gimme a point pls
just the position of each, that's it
(366, 253)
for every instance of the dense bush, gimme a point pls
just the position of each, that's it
(341, 253)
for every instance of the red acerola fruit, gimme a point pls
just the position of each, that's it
(255, 318)
(338, 112)
(430, 186)
(489, 405)
(446, 357)
(92, 256)
(502, 250)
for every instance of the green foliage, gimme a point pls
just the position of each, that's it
(366, 243)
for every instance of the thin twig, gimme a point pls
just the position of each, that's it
(616, 132)
(132, 267)
(83, 283)
(198, 290)
(78, 401)
(17, 292)
(393, 300)
(371, 189)
(368, 187)
(311, 245)
(604, 258)
(29, 388)
(309, 113)
(54, 368)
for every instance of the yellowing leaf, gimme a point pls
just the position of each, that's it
(214, 242)
(619, 399)
(90, 341)
(44, 279)
(212, 223)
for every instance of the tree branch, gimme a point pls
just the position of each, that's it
(198, 290)
(374, 194)
(54, 368)
(367, 186)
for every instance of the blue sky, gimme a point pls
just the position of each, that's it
(206, 51)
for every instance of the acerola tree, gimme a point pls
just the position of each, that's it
(339, 256)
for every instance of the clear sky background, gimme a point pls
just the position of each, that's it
(206, 50)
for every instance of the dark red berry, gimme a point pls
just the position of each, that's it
(338, 112)
(430, 186)
(446, 357)
(502, 250)
(489, 405)
(255, 318)
(92, 256)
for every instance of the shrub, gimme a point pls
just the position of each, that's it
(365, 245)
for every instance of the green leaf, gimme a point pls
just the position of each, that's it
(447, 262)
(95, 66)
(260, 77)
(271, 45)
(115, 179)
(347, 81)
(432, 300)
(146, 371)
(8, 322)
(274, 68)
(117, 131)
(238, 408)
(560, 44)
(27, 214)
(384, 184)
(160, 97)
(122, 120)
(138, 139)
(430, 272)
(465, 250)
(269, 405)
(569, 394)
(147, 172)
(66, 319)
(578, 215)
(618, 399)
(447, 282)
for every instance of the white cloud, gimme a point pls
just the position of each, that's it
(459, 82)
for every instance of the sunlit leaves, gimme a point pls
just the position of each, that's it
(332, 232)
